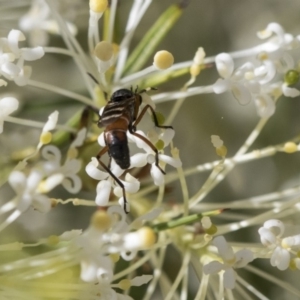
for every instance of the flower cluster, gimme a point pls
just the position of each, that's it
(264, 80)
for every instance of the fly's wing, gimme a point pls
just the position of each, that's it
(114, 110)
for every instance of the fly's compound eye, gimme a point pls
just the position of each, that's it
(121, 95)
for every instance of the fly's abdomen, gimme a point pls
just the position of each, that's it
(117, 143)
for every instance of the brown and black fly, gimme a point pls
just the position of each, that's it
(121, 114)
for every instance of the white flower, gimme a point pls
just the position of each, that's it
(12, 58)
(26, 189)
(65, 174)
(231, 261)
(38, 23)
(279, 39)
(7, 106)
(141, 159)
(107, 234)
(247, 83)
(270, 236)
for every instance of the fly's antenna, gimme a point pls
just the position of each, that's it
(97, 82)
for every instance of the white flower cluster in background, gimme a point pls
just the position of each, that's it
(262, 79)
(31, 189)
(12, 58)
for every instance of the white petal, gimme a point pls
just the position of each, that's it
(224, 249)
(33, 180)
(52, 121)
(101, 140)
(291, 241)
(221, 86)
(88, 271)
(8, 105)
(157, 175)
(272, 28)
(71, 166)
(120, 224)
(80, 137)
(253, 86)
(213, 267)
(24, 202)
(72, 183)
(105, 271)
(52, 154)
(116, 169)
(140, 280)
(265, 105)
(271, 72)
(224, 64)
(103, 192)
(242, 258)
(267, 237)
(31, 54)
(94, 172)
(17, 181)
(10, 69)
(276, 224)
(167, 136)
(174, 162)
(138, 160)
(52, 181)
(241, 93)
(41, 203)
(139, 142)
(23, 77)
(13, 39)
(290, 92)
(132, 185)
(229, 279)
(280, 259)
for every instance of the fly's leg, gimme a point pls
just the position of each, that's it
(132, 130)
(142, 113)
(150, 145)
(117, 180)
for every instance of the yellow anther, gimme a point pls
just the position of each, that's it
(293, 265)
(98, 6)
(114, 257)
(290, 147)
(46, 137)
(212, 229)
(72, 153)
(159, 145)
(221, 151)
(148, 237)
(101, 220)
(163, 60)
(104, 51)
(263, 56)
(124, 284)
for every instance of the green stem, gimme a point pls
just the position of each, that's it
(184, 220)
